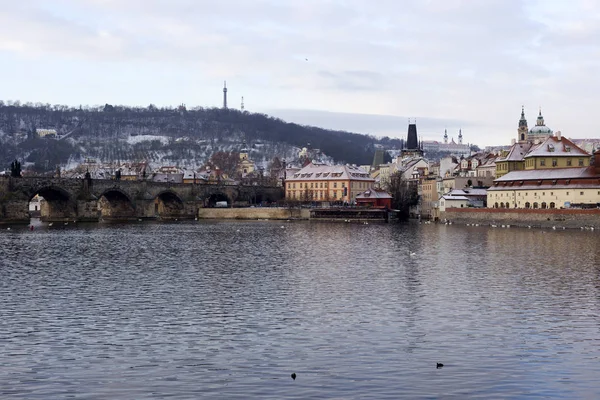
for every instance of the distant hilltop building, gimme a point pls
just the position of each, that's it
(454, 148)
(49, 133)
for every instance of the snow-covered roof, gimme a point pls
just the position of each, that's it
(551, 173)
(517, 152)
(462, 198)
(468, 192)
(555, 147)
(374, 194)
(314, 172)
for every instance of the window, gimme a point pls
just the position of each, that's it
(294, 185)
(581, 193)
(554, 162)
(552, 205)
(535, 205)
(581, 162)
(334, 184)
(289, 185)
(569, 162)
(567, 193)
(527, 205)
(311, 185)
(542, 162)
(343, 184)
(321, 185)
(544, 205)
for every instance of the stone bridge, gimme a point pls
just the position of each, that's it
(94, 200)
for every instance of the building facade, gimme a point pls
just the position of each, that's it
(327, 183)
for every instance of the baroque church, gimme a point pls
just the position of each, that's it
(538, 133)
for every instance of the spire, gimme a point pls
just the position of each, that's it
(225, 94)
(540, 119)
(522, 121)
(445, 135)
(460, 136)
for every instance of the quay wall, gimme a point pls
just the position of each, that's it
(545, 218)
(253, 213)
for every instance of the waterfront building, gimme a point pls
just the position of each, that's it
(374, 198)
(430, 194)
(447, 201)
(550, 186)
(327, 183)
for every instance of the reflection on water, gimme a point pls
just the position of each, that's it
(231, 309)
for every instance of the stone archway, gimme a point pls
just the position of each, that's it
(168, 205)
(55, 204)
(115, 205)
(216, 199)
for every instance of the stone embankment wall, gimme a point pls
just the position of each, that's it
(253, 213)
(568, 218)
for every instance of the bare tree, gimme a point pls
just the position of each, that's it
(404, 193)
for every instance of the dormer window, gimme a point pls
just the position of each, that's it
(568, 148)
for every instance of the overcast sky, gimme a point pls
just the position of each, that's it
(360, 65)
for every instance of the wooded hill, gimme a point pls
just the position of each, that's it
(105, 132)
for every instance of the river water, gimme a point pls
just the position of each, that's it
(229, 310)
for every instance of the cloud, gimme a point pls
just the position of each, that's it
(468, 61)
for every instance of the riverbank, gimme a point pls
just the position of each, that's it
(543, 218)
(254, 213)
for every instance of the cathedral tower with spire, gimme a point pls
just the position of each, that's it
(522, 130)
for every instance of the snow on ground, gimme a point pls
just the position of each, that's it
(145, 138)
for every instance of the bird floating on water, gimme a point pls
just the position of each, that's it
(439, 365)
(293, 375)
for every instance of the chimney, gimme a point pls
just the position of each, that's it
(558, 136)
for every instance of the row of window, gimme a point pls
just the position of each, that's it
(534, 194)
(324, 185)
(316, 195)
(543, 205)
(555, 162)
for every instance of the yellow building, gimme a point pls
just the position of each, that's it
(549, 187)
(325, 183)
(556, 152)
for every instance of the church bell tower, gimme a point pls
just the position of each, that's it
(522, 131)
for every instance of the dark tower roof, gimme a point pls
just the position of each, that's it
(411, 140)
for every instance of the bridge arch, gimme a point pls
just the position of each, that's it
(57, 204)
(168, 205)
(116, 204)
(212, 199)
